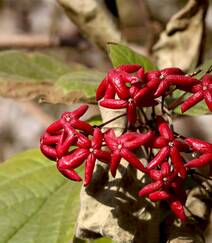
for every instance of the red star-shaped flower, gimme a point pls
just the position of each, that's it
(88, 151)
(56, 132)
(122, 147)
(170, 146)
(202, 147)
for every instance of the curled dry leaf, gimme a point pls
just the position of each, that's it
(182, 37)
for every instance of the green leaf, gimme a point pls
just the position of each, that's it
(102, 240)
(121, 54)
(37, 204)
(84, 82)
(33, 66)
(27, 76)
(204, 67)
(95, 120)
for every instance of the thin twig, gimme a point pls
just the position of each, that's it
(200, 175)
(177, 102)
(38, 41)
(144, 115)
(111, 120)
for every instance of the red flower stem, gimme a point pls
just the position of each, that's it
(153, 113)
(194, 73)
(109, 121)
(177, 102)
(162, 104)
(145, 116)
(165, 108)
(179, 136)
(170, 92)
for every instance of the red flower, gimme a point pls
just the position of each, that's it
(50, 143)
(154, 80)
(73, 119)
(170, 146)
(122, 146)
(203, 90)
(88, 151)
(115, 81)
(202, 147)
(166, 186)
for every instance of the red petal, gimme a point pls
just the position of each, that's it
(103, 156)
(141, 95)
(110, 92)
(131, 113)
(128, 137)
(155, 74)
(129, 68)
(181, 80)
(163, 86)
(55, 127)
(132, 159)
(207, 79)
(165, 169)
(158, 142)
(114, 104)
(118, 84)
(64, 145)
(192, 100)
(81, 125)
(177, 207)
(111, 140)
(50, 140)
(97, 139)
(115, 160)
(79, 111)
(199, 145)
(160, 195)
(171, 70)
(177, 162)
(140, 74)
(154, 186)
(71, 174)
(73, 160)
(159, 158)
(164, 128)
(155, 175)
(89, 167)
(100, 92)
(182, 146)
(201, 161)
(48, 151)
(208, 99)
(141, 139)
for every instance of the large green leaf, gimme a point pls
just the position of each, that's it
(121, 54)
(37, 204)
(34, 66)
(27, 76)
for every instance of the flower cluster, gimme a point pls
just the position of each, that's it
(71, 141)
